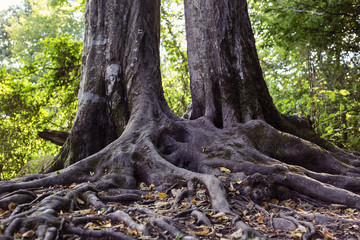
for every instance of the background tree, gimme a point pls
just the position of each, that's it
(174, 66)
(40, 58)
(309, 51)
(124, 134)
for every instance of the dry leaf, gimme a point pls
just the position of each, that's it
(231, 188)
(80, 201)
(220, 214)
(296, 234)
(176, 192)
(148, 196)
(12, 206)
(223, 169)
(73, 185)
(91, 226)
(203, 232)
(105, 224)
(239, 181)
(28, 234)
(301, 228)
(328, 234)
(160, 204)
(350, 211)
(162, 195)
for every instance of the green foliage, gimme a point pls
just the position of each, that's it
(174, 66)
(309, 51)
(39, 80)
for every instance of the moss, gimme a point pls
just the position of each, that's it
(36, 165)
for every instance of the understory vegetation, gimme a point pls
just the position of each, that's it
(309, 51)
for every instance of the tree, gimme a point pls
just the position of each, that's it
(40, 73)
(125, 135)
(309, 52)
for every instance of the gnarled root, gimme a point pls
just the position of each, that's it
(121, 188)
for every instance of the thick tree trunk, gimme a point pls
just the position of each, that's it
(120, 75)
(227, 84)
(124, 133)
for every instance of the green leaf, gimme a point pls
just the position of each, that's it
(344, 92)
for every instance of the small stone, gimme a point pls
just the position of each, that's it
(280, 223)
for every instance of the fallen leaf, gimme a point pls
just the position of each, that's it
(161, 204)
(73, 185)
(80, 201)
(176, 192)
(151, 186)
(143, 185)
(231, 188)
(239, 181)
(296, 234)
(220, 214)
(148, 196)
(328, 234)
(301, 228)
(223, 169)
(350, 211)
(12, 206)
(28, 234)
(162, 195)
(91, 226)
(105, 224)
(204, 232)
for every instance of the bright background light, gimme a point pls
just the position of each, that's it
(4, 4)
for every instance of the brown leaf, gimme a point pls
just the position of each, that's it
(203, 232)
(231, 188)
(91, 226)
(28, 234)
(80, 201)
(148, 196)
(12, 206)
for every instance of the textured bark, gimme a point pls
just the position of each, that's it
(227, 84)
(124, 133)
(56, 137)
(120, 62)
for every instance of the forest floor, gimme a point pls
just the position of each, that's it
(289, 219)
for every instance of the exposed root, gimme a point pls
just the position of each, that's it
(230, 164)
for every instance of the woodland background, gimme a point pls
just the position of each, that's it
(308, 49)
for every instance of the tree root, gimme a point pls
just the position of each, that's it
(226, 162)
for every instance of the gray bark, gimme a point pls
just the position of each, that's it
(124, 133)
(227, 84)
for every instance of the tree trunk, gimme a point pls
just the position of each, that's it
(125, 135)
(120, 75)
(227, 84)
